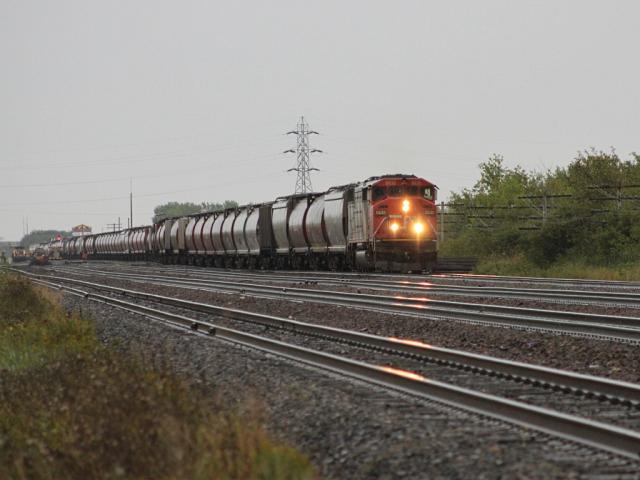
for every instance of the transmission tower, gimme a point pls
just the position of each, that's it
(303, 153)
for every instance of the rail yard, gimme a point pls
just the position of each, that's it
(372, 355)
(536, 377)
(320, 240)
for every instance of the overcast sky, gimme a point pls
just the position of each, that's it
(192, 98)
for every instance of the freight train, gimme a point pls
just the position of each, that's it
(385, 223)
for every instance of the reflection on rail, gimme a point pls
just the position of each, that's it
(406, 341)
(404, 373)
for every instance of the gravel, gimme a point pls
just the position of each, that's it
(591, 356)
(314, 282)
(350, 429)
(587, 407)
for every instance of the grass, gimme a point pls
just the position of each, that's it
(563, 269)
(71, 408)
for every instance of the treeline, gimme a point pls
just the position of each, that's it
(588, 211)
(40, 236)
(178, 209)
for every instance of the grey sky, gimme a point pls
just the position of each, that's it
(197, 95)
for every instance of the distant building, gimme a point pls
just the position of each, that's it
(80, 230)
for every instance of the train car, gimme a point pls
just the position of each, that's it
(138, 243)
(55, 248)
(200, 236)
(86, 248)
(19, 254)
(177, 244)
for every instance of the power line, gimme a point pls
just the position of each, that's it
(173, 173)
(303, 156)
(155, 194)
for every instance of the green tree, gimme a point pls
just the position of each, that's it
(41, 236)
(589, 211)
(180, 209)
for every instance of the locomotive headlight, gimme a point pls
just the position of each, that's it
(405, 206)
(394, 227)
(418, 227)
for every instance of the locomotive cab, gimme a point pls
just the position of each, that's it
(404, 210)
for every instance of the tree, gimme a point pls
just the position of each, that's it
(588, 211)
(180, 209)
(41, 236)
(214, 207)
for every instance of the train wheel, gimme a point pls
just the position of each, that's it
(334, 263)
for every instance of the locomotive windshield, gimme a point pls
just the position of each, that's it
(427, 193)
(378, 193)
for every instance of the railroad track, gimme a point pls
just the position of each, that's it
(542, 280)
(449, 279)
(601, 435)
(419, 287)
(455, 264)
(608, 327)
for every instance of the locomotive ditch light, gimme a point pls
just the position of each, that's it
(394, 227)
(418, 227)
(405, 206)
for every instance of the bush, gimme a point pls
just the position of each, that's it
(71, 408)
(590, 215)
(34, 330)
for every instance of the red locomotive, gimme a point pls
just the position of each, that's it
(403, 230)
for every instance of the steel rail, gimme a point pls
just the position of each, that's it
(585, 384)
(618, 320)
(549, 280)
(438, 277)
(602, 326)
(595, 434)
(418, 277)
(425, 287)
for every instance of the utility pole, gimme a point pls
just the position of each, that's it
(303, 156)
(442, 221)
(114, 226)
(131, 202)
(547, 203)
